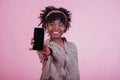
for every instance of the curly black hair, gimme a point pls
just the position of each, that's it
(48, 15)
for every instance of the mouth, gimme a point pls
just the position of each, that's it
(55, 32)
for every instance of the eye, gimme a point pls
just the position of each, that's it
(51, 24)
(60, 25)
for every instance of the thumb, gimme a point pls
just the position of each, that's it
(45, 45)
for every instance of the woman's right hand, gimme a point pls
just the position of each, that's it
(45, 51)
(32, 43)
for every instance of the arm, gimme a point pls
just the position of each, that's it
(43, 54)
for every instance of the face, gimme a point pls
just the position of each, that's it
(55, 29)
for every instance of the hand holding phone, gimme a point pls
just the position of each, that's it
(38, 39)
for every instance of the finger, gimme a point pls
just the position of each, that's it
(45, 42)
(32, 42)
(45, 45)
(42, 52)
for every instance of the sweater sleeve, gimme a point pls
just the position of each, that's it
(42, 57)
(73, 49)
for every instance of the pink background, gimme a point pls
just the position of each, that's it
(95, 30)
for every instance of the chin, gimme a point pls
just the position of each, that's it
(55, 37)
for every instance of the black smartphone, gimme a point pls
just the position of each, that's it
(38, 39)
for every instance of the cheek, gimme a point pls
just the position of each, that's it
(63, 29)
(48, 28)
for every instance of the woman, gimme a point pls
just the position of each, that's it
(59, 57)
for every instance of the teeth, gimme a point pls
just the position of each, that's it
(55, 32)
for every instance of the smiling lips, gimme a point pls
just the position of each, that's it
(55, 32)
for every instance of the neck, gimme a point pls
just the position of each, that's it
(57, 39)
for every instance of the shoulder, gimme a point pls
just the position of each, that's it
(72, 45)
(69, 42)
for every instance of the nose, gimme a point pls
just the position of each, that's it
(56, 27)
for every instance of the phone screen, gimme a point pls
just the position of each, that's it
(38, 39)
